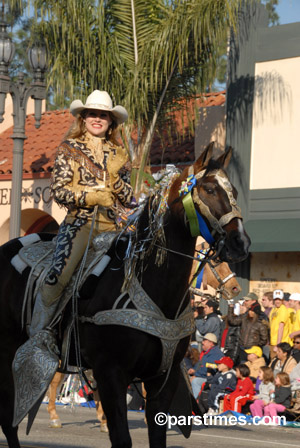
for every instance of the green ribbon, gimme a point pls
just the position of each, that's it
(191, 214)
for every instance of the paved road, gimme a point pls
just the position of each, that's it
(81, 429)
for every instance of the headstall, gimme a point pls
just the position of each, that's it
(196, 220)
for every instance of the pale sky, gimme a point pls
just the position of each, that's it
(288, 11)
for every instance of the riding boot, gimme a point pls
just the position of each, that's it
(35, 362)
(41, 319)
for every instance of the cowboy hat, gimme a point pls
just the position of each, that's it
(99, 100)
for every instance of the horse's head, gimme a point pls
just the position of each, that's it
(211, 210)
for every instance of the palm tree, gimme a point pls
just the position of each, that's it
(148, 54)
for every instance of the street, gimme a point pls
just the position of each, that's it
(81, 429)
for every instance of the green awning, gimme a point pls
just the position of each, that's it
(274, 235)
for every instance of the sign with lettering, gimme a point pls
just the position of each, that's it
(35, 196)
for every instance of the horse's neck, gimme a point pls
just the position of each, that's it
(168, 284)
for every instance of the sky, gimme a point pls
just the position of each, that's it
(288, 11)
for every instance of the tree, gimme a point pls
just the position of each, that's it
(148, 54)
(270, 7)
(222, 58)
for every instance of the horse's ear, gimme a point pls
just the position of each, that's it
(224, 159)
(205, 157)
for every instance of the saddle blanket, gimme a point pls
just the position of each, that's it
(36, 253)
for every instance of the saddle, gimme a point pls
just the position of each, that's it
(38, 257)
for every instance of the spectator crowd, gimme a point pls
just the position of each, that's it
(249, 360)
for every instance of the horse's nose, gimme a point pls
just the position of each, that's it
(242, 242)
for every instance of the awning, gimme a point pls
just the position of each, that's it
(274, 235)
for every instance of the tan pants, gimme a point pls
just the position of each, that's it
(72, 240)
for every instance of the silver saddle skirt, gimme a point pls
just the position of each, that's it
(37, 255)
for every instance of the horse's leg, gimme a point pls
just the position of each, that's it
(100, 413)
(144, 393)
(11, 435)
(7, 402)
(55, 383)
(160, 404)
(112, 386)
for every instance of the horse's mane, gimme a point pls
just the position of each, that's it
(149, 232)
(212, 165)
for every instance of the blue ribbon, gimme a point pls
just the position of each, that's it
(204, 230)
(199, 279)
(186, 187)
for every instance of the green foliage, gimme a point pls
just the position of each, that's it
(148, 54)
(270, 7)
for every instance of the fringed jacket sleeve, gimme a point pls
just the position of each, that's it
(117, 172)
(73, 185)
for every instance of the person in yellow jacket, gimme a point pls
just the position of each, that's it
(255, 360)
(292, 315)
(87, 181)
(279, 322)
(295, 303)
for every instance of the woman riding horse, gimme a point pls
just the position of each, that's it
(86, 180)
(118, 349)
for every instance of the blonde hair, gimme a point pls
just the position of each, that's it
(78, 129)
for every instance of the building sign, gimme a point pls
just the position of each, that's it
(35, 196)
(5, 196)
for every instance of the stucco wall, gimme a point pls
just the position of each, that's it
(8, 118)
(274, 270)
(36, 202)
(210, 127)
(275, 156)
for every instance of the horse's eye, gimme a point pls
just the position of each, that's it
(209, 190)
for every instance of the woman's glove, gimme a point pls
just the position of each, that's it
(102, 197)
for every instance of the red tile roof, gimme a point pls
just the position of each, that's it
(40, 145)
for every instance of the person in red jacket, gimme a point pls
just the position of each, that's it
(244, 390)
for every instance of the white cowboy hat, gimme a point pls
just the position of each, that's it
(102, 101)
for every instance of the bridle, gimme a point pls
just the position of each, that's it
(220, 290)
(197, 224)
(195, 219)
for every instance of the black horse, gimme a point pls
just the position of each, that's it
(116, 353)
